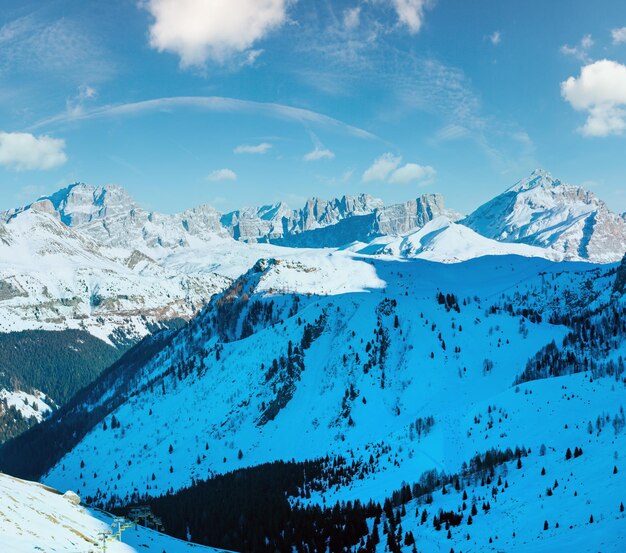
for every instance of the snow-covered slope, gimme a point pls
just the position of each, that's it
(34, 517)
(349, 366)
(447, 242)
(430, 361)
(542, 211)
(30, 406)
(54, 277)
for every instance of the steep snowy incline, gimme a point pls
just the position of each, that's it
(542, 211)
(34, 517)
(265, 373)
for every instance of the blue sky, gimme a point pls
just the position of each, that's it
(244, 102)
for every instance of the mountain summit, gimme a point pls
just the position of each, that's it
(543, 211)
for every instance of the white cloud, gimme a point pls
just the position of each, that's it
(24, 151)
(221, 175)
(619, 35)
(412, 172)
(600, 90)
(199, 30)
(262, 148)
(581, 50)
(387, 168)
(410, 13)
(352, 18)
(495, 38)
(381, 168)
(319, 153)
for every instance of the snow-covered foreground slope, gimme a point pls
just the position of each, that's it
(556, 413)
(360, 368)
(391, 369)
(34, 517)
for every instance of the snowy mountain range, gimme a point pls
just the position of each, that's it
(358, 346)
(90, 257)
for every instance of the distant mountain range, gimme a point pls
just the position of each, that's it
(90, 259)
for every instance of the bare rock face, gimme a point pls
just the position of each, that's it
(45, 206)
(111, 217)
(402, 218)
(542, 211)
(334, 222)
(277, 222)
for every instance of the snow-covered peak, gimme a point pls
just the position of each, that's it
(538, 178)
(543, 211)
(445, 241)
(80, 203)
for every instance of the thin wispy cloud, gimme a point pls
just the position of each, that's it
(211, 104)
(26, 152)
(619, 35)
(198, 31)
(262, 148)
(319, 153)
(451, 132)
(581, 50)
(352, 18)
(85, 93)
(220, 175)
(495, 38)
(61, 48)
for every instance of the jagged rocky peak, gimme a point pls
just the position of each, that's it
(541, 181)
(539, 178)
(45, 206)
(80, 203)
(278, 221)
(543, 211)
(402, 218)
(319, 213)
